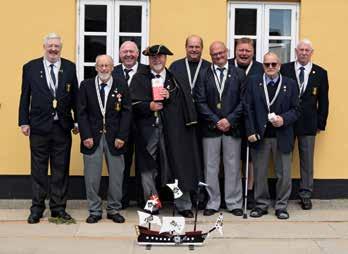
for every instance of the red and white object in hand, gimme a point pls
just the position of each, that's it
(157, 86)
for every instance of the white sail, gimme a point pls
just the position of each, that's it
(174, 187)
(150, 204)
(145, 218)
(174, 225)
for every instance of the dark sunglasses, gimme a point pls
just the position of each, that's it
(273, 65)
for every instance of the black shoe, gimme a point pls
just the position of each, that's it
(186, 213)
(61, 214)
(34, 218)
(257, 212)
(237, 212)
(209, 212)
(306, 203)
(117, 218)
(282, 214)
(93, 218)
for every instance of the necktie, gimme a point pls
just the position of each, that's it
(127, 71)
(271, 83)
(53, 79)
(158, 76)
(221, 74)
(102, 93)
(301, 79)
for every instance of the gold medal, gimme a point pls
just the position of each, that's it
(117, 106)
(68, 86)
(315, 91)
(218, 105)
(54, 103)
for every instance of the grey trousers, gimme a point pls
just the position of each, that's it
(230, 148)
(282, 163)
(306, 152)
(93, 165)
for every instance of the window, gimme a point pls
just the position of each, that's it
(273, 27)
(103, 25)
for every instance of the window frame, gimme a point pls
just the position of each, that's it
(262, 28)
(112, 30)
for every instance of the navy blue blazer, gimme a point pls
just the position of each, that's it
(207, 98)
(117, 117)
(286, 105)
(314, 102)
(36, 101)
(178, 68)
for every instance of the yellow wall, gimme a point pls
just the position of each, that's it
(24, 24)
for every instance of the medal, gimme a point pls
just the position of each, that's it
(218, 105)
(68, 86)
(315, 91)
(54, 103)
(117, 106)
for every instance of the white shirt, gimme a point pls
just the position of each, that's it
(307, 71)
(162, 74)
(56, 67)
(218, 72)
(131, 73)
(107, 88)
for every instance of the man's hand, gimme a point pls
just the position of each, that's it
(223, 125)
(252, 138)
(156, 106)
(25, 129)
(278, 121)
(165, 93)
(119, 143)
(88, 143)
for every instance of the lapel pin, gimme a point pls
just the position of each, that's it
(113, 95)
(229, 75)
(313, 72)
(260, 84)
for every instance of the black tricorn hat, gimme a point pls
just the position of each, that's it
(157, 50)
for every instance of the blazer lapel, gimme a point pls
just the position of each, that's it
(311, 79)
(42, 78)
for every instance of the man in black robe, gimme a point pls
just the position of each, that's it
(166, 144)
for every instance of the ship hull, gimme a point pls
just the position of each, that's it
(152, 237)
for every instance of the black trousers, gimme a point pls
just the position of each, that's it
(50, 149)
(128, 159)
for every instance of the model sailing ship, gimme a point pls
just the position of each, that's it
(171, 227)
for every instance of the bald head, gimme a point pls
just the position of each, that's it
(129, 54)
(218, 53)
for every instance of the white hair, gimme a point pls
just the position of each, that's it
(131, 43)
(52, 36)
(306, 42)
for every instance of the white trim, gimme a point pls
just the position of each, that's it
(112, 33)
(262, 30)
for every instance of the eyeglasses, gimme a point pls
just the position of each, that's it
(218, 53)
(268, 65)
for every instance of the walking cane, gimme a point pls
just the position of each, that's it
(245, 215)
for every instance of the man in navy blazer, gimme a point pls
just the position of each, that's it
(313, 88)
(218, 98)
(271, 106)
(49, 88)
(129, 54)
(244, 59)
(104, 116)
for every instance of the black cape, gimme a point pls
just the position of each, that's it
(173, 142)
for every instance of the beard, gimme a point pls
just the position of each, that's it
(158, 67)
(104, 76)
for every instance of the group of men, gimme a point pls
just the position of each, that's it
(181, 121)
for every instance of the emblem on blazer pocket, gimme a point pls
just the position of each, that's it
(67, 87)
(315, 91)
